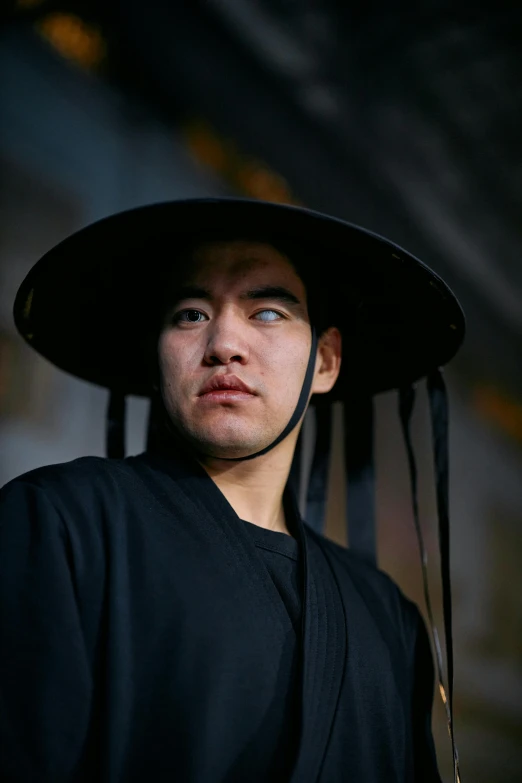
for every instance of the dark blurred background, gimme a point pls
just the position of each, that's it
(402, 118)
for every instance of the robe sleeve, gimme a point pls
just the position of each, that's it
(425, 760)
(45, 677)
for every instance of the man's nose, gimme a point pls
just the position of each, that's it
(226, 344)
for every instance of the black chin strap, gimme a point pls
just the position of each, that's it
(115, 437)
(439, 422)
(299, 409)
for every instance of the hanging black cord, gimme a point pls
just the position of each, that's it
(115, 432)
(318, 480)
(360, 477)
(406, 403)
(438, 399)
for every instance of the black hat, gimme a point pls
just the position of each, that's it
(87, 303)
(80, 305)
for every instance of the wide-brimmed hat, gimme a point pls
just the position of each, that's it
(87, 303)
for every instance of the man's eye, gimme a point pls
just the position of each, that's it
(268, 315)
(189, 316)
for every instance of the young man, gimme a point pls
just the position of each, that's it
(169, 617)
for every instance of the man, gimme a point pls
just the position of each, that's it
(168, 617)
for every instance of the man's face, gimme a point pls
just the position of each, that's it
(240, 320)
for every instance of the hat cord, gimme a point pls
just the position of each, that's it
(318, 479)
(439, 420)
(300, 408)
(115, 432)
(358, 422)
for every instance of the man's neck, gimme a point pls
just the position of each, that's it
(254, 488)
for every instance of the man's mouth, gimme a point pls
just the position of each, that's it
(226, 387)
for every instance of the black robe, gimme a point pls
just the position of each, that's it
(143, 637)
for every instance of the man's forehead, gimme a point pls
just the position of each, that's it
(236, 251)
(237, 259)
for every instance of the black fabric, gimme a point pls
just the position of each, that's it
(145, 636)
(318, 480)
(280, 554)
(116, 420)
(360, 477)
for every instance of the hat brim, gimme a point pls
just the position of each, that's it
(79, 306)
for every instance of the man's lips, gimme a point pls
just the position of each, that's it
(225, 383)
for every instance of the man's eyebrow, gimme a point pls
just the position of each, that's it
(271, 292)
(192, 292)
(259, 292)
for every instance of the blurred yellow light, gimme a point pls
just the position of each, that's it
(260, 182)
(500, 410)
(247, 175)
(73, 38)
(206, 147)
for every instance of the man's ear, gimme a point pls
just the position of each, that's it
(328, 362)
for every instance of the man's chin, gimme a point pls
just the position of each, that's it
(229, 448)
(228, 451)
(227, 440)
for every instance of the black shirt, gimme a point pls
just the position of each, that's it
(280, 554)
(148, 633)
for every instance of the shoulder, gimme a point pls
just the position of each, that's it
(85, 503)
(379, 591)
(74, 481)
(83, 470)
